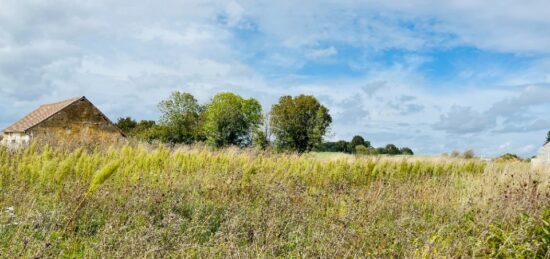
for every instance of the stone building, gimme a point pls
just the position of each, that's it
(72, 121)
(543, 156)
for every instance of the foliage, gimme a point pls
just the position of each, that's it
(381, 151)
(150, 132)
(145, 130)
(338, 146)
(391, 149)
(260, 140)
(358, 140)
(406, 151)
(232, 120)
(299, 123)
(154, 202)
(547, 137)
(181, 114)
(361, 150)
(126, 125)
(343, 146)
(455, 153)
(468, 154)
(509, 158)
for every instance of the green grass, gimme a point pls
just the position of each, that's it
(195, 202)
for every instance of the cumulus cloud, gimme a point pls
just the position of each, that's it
(464, 120)
(523, 112)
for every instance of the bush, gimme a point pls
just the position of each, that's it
(508, 158)
(406, 151)
(468, 154)
(361, 150)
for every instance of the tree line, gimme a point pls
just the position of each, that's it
(358, 145)
(294, 123)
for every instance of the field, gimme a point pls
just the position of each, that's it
(195, 202)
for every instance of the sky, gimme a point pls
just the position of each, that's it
(432, 75)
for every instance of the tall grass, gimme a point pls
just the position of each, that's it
(143, 202)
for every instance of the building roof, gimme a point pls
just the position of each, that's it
(41, 114)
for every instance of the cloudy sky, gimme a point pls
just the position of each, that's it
(429, 74)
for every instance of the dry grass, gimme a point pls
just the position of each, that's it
(195, 202)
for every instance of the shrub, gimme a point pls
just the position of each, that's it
(361, 150)
(508, 158)
(468, 154)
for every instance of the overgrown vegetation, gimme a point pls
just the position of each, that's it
(196, 202)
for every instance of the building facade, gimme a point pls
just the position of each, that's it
(72, 121)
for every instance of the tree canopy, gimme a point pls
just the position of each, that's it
(358, 141)
(299, 123)
(181, 114)
(231, 120)
(126, 125)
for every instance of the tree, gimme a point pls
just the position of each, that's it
(381, 151)
(180, 115)
(406, 151)
(231, 120)
(343, 146)
(260, 140)
(391, 149)
(468, 154)
(547, 138)
(358, 140)
(150, 132)
(372, 151)
(299, 123)
(127, 125)
(455, 153)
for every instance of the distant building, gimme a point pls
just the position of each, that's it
(543, 156)
(75, 120)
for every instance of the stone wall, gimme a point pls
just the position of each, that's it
(543, 156)
(14, 140)
(80, 123)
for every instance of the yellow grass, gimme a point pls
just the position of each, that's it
(196, 202)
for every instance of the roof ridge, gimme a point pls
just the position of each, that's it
(40, 114)
(67, 100)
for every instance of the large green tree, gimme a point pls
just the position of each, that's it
(231, 120)
(181, 116)
(299, 123)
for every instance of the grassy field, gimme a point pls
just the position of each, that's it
(194, 202)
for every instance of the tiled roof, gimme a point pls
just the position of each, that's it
(39, 115)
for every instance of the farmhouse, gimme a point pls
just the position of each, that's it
(75, 120)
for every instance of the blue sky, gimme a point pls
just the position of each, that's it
(432, 75)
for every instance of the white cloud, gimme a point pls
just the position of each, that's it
(321, 53)
(127, 55)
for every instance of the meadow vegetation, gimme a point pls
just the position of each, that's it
(139, 201)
